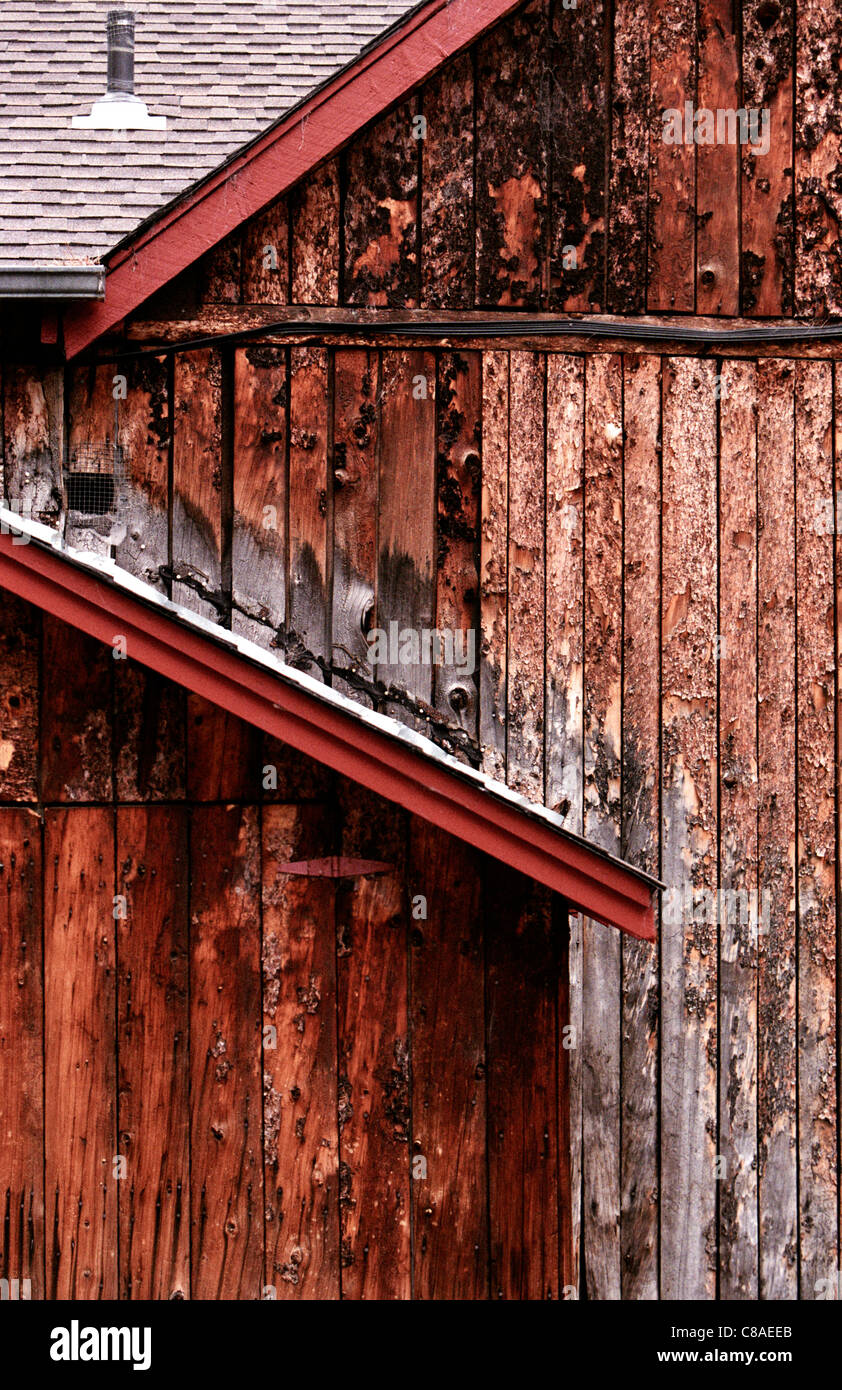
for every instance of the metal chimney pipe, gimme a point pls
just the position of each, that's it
(121, 52)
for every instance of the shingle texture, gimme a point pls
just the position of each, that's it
(219, 70)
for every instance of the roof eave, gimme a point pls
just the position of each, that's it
(209, 661)
(52, 282)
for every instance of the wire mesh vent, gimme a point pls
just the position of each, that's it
(94, 477)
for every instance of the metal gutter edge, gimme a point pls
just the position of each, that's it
(591, 882)
(25, 281)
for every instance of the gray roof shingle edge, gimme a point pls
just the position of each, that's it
(72, 195)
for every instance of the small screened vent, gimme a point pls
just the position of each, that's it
(93, 479)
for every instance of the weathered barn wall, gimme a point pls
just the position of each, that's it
(313, 1085)
(543, 180)
(644, 545)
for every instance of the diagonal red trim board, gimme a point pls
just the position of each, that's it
(599, 887)
(279, 158)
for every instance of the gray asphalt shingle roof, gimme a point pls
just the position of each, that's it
(219, 70)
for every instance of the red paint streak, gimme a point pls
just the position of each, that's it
(603, 889)
(279, 158)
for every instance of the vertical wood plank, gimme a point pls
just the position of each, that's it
(265, 256)
(818, 154)
(458, 481)
(22, 1233)
(308, 500)
(406, 517)
(521, 1022)
(197, 476)
(315, 237)
(374, 1078)
(603, 536)
(447, 188)
(381, 214)
(717, 196)
(149, 735)
(739, 920)
(578, 86)
(143, 431)
(527, 564)
(816, 693)
(564, 697)
(76, 716)
(226, 1199)
(494, 550)
(767, 188)
(260, 458)
(628, 180)
(33, 440)
(449, 1196)
(639, 1192)
(688, 832)
(512, 192)
(154, 1074)
(80, 1075)
(777, 1159)
(220, 273)
(672, 167)
(301, 1138)
(355, 446)
(223, 754)
(20, 631)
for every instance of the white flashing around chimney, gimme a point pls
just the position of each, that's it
(111, 114)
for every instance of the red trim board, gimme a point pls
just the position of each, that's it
(398, 769)
(313, 132)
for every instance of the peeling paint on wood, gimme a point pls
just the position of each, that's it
(818, 160)
(602, 705)
(458, 475)
(739, 922)
(381, 214)
(672, 168)
(717, 195)
(689, 833)
(629, 186)
(767, 188)
(577, 133)
(512, 191)
(265, 256)
(494, 562)
(447, 188)
(149, 735)
(777, 1042)
(816, 694)
(315, 237)
(525, 712)
(639, 1182)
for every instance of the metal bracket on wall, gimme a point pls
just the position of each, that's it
(335, 867)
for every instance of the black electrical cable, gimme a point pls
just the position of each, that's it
(633, 330)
